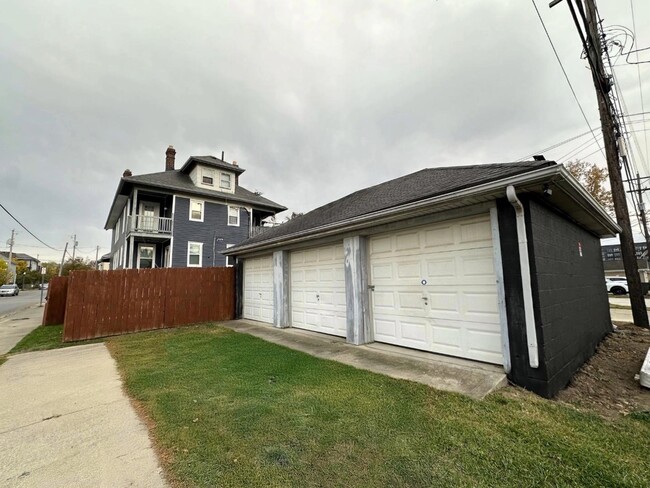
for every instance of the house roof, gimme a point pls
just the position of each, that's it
(210, 161)
(19, 256)
(423, 185)
(180, 182)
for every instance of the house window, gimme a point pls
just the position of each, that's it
(233, 216)
(207, 177)
(194, 254)
(196, 210)
(146, 256)
(230, 260)
(225, 181)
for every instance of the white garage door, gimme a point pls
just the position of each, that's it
(435, 289)
(258, 289)
(318, 290)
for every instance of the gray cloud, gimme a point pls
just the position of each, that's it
(314, 99)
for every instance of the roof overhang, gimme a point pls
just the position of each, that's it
(569, 196)
(194, 160)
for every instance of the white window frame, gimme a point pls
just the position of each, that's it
(189, 246)
(230, 207)
(230, 257)
(221, 175)
(153, 257)
(202, 203)
(207, 173)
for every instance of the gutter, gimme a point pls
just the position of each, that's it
(527, 290)
(423, 206)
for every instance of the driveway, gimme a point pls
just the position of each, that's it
(64, 421)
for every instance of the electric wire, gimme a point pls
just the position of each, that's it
(638, 70)
(29, 231)
(566, 76)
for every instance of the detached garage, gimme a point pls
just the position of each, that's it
(497, 263)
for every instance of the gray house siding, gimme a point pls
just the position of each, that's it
(214, 226)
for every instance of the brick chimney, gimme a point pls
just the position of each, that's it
(170, 159)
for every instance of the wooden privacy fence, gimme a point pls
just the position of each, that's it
(57, 293)
(105, 303)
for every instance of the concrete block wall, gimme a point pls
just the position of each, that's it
(571, 303)
(570, 300)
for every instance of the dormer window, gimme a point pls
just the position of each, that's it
(226, 181)
(207, 177)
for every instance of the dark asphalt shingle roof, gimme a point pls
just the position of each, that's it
(175, 180)
(416, 186)
(210, 161)
(19, 256)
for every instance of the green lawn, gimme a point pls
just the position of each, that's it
(229, 409)
(46, 337)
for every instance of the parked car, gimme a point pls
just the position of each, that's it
(9, 290)
(617, 285)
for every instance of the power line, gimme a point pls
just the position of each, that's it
(638, 70)
(548, 36)
(29, 231)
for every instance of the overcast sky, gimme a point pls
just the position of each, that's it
(314, 99)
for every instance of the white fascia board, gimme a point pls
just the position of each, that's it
(493, 189)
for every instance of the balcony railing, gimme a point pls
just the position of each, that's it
(257, 230)
(149, 224)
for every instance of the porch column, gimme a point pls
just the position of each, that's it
(129, 261)
(281, 297)
(357, 299)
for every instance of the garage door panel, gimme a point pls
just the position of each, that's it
(258, 289)
(447, 335)
(476, 231)
(443, 235)
(409, 301)
(318, 290)
(452, 265)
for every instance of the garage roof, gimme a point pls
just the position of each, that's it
(421, 186)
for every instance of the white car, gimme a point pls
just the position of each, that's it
(617, 285)
(8, 290)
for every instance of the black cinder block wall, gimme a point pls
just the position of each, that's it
(569, 295)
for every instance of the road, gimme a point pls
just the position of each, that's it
(23, 300)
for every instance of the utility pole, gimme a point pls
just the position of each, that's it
(11, 255)
(97, 258)
(644, 221)
(74, 245)
(65, 249)
(591, 42)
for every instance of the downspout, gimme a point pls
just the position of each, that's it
(524, 263)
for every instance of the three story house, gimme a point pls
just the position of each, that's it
(183, 217)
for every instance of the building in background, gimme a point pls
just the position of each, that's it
(183, 217)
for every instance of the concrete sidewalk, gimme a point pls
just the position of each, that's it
(17, 325)
(64, 421)
(470, 378)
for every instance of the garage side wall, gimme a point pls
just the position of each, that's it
(534, 379)
(571, 304)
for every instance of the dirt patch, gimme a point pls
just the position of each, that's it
(606, 383)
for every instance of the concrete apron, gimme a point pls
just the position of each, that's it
(65, 421)
(469, 378)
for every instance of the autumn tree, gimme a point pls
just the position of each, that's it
(593, 178)
(5, 275)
